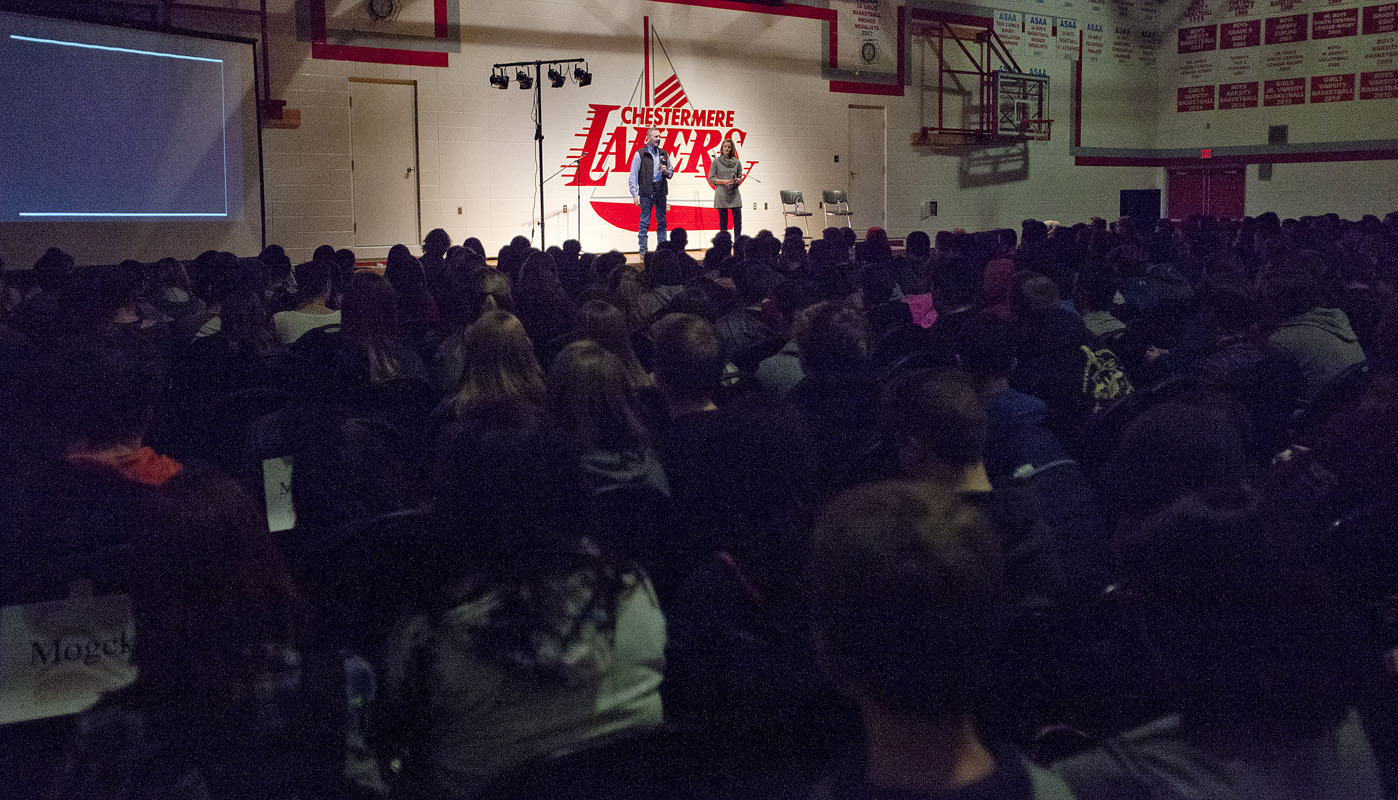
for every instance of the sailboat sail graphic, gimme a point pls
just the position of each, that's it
(690, 134)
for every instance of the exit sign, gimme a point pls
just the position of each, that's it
(1206, 153)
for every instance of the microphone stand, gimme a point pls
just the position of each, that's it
(577, 162)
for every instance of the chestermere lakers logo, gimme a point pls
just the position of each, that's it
(691, 134)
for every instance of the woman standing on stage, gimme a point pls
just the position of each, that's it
(725, 173)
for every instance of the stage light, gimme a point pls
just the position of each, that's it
(556, 78)
(499, 80)
(582, 76)
(524, 80)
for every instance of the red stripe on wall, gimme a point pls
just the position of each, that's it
(439, 18)
(1315, 157)
(645, 30)
(378, 55)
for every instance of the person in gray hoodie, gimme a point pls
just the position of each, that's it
(1318, 340)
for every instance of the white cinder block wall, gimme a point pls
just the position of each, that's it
(476, 148)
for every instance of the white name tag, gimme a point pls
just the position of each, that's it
(59, 657)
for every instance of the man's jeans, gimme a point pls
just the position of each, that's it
(647, 203)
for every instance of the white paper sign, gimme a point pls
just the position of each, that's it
(60, 657)
(276, 485)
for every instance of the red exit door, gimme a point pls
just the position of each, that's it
(1214, 192)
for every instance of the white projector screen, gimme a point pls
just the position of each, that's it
(120, 143)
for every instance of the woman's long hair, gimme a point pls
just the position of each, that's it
(590, 398)
(499, 367)
(370, 320)
(606, 325)
(246, 326)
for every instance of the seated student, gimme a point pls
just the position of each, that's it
(312, 303)
(173, 295)
(936, 425)
(662, 280)
(1059, 361)
(377, 351)
(1021, 451)
(121, 310)
(590, 400)
(475, 292)
(744, 333)
(1318, 340)
(904, 581)
(72, 514)
(500, 373)
(545, 642)
(1255, 656)
(218, 711)
(838, 394)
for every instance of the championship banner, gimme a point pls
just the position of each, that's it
(1194, 98)
(1069, 39)
(60, 657)
(868, 36)
(1287, 6)
(1009, 27)
(1332, 88)
(1123, 45)
(1038, 35)
(1094, 41)
(1382, 85)
(1241, 9)
(1286, 56)
(1377, 47)
(1147, 47)
(1284, 92)
(1334, 41)
(1238, 95)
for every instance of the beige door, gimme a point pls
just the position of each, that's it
(383, 163)
(868, 166)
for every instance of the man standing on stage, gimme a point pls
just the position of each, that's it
(650, 172)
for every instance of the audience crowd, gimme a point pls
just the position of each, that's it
(1093, 510)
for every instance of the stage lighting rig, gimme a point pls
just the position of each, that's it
(557, 75)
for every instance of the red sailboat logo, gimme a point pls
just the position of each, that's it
(690, 134)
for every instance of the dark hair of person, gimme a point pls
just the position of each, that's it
(473, 243)
(988, 348)
(530, 550)
(543, 304)
(1247, 632)
(919, 245)
(941, 411)
(1097, 288)
(590, 398)
(54, 270)
(210, 591)
(664, 269)
(833, 338)
(245, 324)
(324, 252)
(312, 280)
(499, 367)
(436, 242)
(687, 360)
(957, 281)
(904, 580)
(606, 325)
(107, 394)
(169, 272)
(1293, 285)
(369, 317)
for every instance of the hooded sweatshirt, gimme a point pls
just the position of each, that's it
(578, 679)
(1322, 345)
